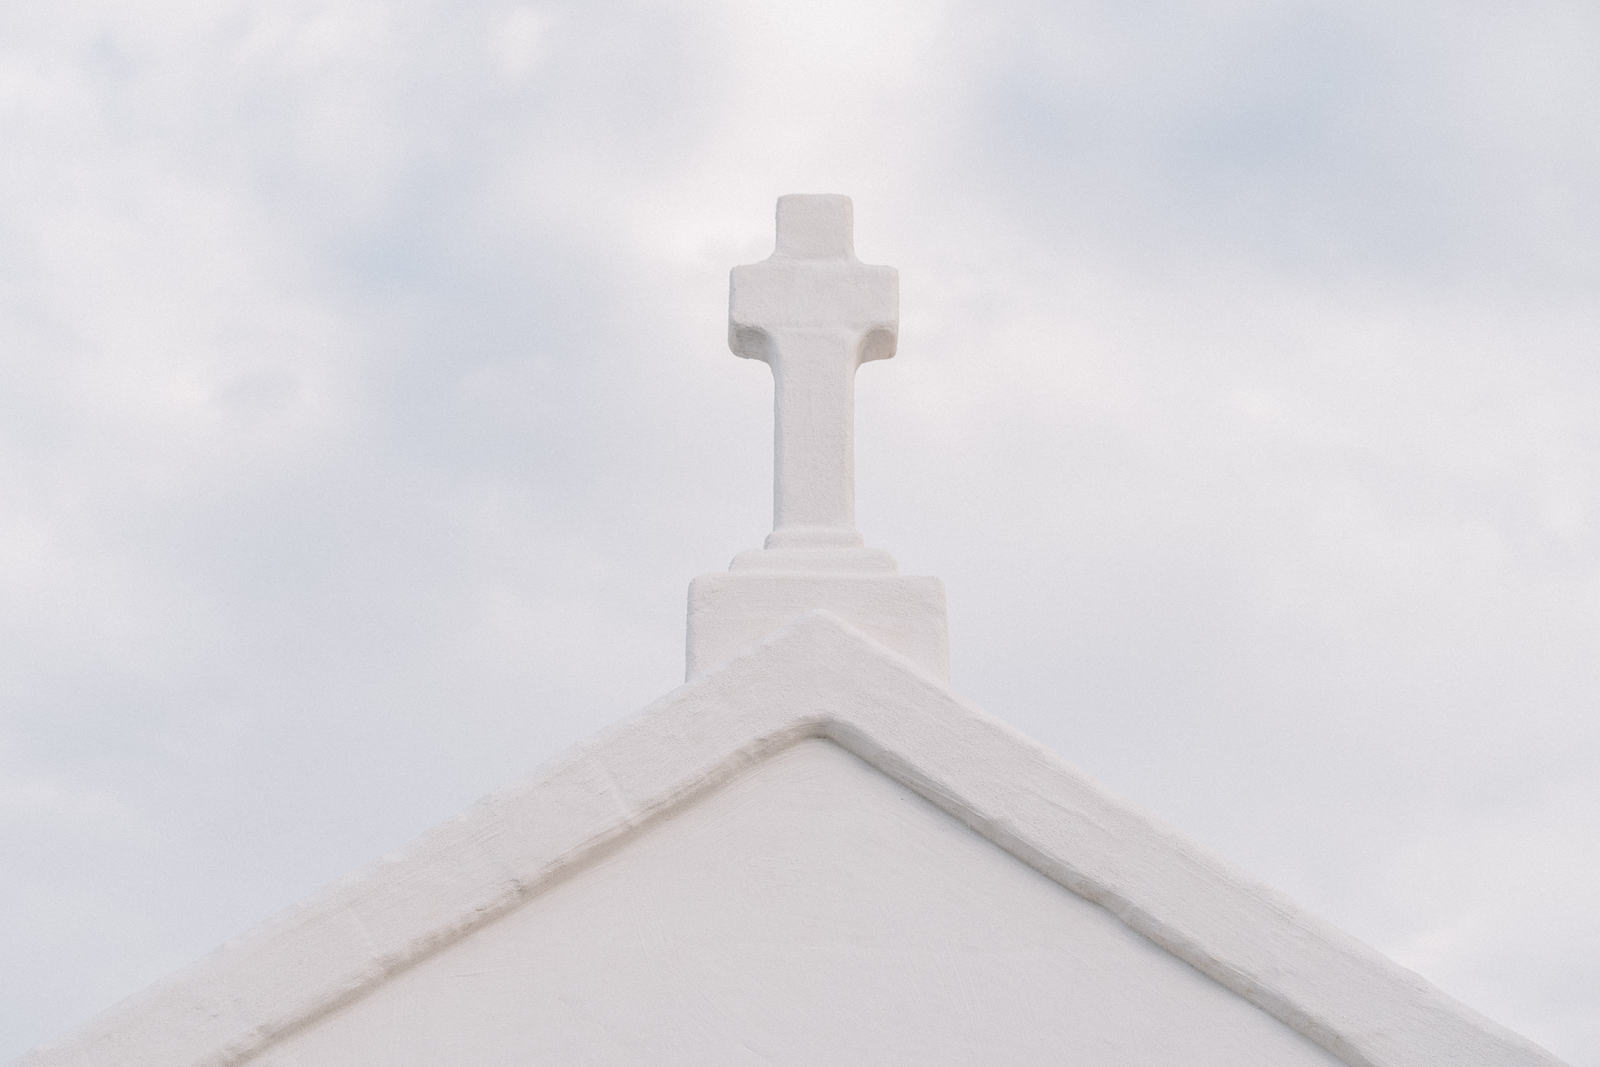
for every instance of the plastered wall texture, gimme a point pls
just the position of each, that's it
(812, 850)
(811, 910)
(815, 313)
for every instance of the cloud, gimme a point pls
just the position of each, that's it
(367, 410)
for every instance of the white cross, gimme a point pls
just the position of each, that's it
(814, 313)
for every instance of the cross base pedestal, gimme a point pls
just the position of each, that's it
(813, 559)
(731, 613)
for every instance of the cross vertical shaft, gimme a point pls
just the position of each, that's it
(814, 313)
(813, 438)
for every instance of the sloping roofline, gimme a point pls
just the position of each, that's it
(817, 677)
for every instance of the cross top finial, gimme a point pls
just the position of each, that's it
(815, 313)
(815, 227)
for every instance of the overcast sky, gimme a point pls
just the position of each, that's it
(366, 408)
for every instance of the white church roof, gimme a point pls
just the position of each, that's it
(813, 639)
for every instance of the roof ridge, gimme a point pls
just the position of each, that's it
(816, 677)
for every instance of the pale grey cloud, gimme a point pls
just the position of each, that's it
(366, 390)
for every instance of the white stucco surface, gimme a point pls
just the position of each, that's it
(815, 313)
(730, 613)
(810, 911)
(816, 678)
